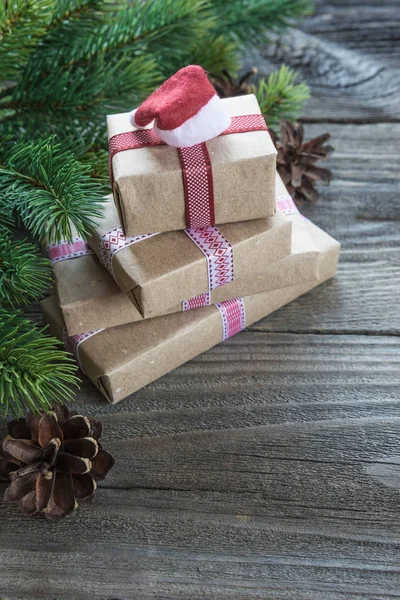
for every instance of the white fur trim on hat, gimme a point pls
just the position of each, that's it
(211, 120)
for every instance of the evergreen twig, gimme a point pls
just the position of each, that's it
(24, 273)
(35, 373)
(280, 96)
(50, 190)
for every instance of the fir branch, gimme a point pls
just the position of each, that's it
(247, 20)
(73, 104)
(35, 373)
(280, 97)
(141, 27)
(24, 273)
(215, 55)
(50, 190)
(22, 24)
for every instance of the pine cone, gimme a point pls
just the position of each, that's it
(296, 161)
(53, 460)
(227, 87)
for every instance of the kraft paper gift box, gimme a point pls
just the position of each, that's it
(153, 193)
(123, 359)
(90, 298)
(168, 269)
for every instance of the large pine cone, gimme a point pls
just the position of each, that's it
(53, 460)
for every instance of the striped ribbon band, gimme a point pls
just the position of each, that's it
(195, 163)
(64, 250)
(197, 302)
(73, 342)
(115, 240)
(233, 317)
(198, 185)
(287, 206)
(219, 256)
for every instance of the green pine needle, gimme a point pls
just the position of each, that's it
(35, 373)
(280, 97)
(245, 21)
(24, 273)
(51, 191)
(22, 24)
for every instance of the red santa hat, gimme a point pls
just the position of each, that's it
(185, 109)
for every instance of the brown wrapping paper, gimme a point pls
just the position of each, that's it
(164, 270)
(90, 299)
(148, 185)
(121, 360)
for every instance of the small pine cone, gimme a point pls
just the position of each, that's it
(53, 460)
(296, 161)
(227, 87)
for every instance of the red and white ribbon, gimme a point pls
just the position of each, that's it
(286, 205)
(64, 250)
(219, 256)
(233, 317)
(115, 240)
(197, 302)
(195, 162)
(73, 342)
(198, 185)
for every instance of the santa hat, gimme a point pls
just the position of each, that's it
(185, 109)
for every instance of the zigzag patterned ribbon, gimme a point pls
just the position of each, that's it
(195, 162)
(64, 250)
(73, 342)
(219, 256)
(113, 241)
(233, 317)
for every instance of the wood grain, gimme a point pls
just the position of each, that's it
(269, 467)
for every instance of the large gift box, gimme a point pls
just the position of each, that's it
(226, 179)
(159, 271)
(122, 359)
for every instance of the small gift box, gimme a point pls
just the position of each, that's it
(161, 188)
(122, 359)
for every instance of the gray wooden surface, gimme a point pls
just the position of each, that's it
(269, 467)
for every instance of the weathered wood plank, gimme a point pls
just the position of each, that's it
(268, 467)
(348, 52)
(250, 512)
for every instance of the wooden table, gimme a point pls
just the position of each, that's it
(269, 467)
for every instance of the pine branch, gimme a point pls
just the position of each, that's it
(50, 190)
(24, 273)
(245, 21)
(22, 24)
(280, 97)
(215, 55)
(73, 103)
(35, 373)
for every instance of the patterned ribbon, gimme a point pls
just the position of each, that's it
(219, 256)
(197, 302)
(64, 249)
(195, 163)
(113, 241)
(198, 185)
(233, 317)
(73, 342)
(286, 205)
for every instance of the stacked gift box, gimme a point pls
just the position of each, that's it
(224, 245)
